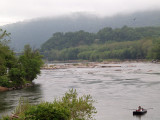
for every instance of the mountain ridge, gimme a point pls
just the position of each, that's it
(36, 32)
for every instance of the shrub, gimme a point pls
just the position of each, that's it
(81, 108)
(4, 81)
(31, 63)
(17, 76)
(47, 111)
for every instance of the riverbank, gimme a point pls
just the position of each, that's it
(2, 89)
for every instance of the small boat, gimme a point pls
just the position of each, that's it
(141, 112)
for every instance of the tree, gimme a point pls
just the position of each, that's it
(15, 71)
(154, 53)
(4, 37)
(105, 34)
(31, 63)
(7, 59)
(4, 51)
(16, 75)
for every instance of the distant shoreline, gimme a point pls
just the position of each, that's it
(86, 64)
(103, 61)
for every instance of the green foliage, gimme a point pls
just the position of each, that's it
(69, 107)
(155, 50)
(7, 59)
(42, 111)
(112, 50)
(120, 34)
(4, 81)
(61, 41)
(70, 39)
(81, 108)
(47, 111)
(15, 71)
(22, 107)
(6, 55)
(4, 37)
(17, 76)
(31, 63)
(6, 117)
(107, 43)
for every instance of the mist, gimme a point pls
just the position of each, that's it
(36, 31)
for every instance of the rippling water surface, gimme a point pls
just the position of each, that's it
(116, 89)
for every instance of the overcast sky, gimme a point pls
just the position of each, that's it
(18, 10)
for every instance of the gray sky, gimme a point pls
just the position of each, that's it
(18, 10)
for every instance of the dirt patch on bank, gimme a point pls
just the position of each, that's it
(3, 89)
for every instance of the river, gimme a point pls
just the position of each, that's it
(116, 90)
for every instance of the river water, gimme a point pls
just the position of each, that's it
(116, 90)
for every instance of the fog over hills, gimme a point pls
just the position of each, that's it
(37, 31)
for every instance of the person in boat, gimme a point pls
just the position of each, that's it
(139, 108)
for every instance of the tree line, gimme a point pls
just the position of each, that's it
(17, 71)
(107, 43)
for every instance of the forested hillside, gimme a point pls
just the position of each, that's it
(35, 32)
(107, 43)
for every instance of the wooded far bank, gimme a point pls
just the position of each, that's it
(107, 43)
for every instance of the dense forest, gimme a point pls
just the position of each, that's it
(17, 71)
(107, 43)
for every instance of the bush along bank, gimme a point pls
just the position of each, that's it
(69, 107)
(17, 72)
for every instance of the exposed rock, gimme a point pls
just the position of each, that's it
(118, 70)
(29, 85)
(110, 66)
(10, 89)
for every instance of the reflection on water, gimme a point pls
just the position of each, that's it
(9, 99)
(114, 89)
(138, 116)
